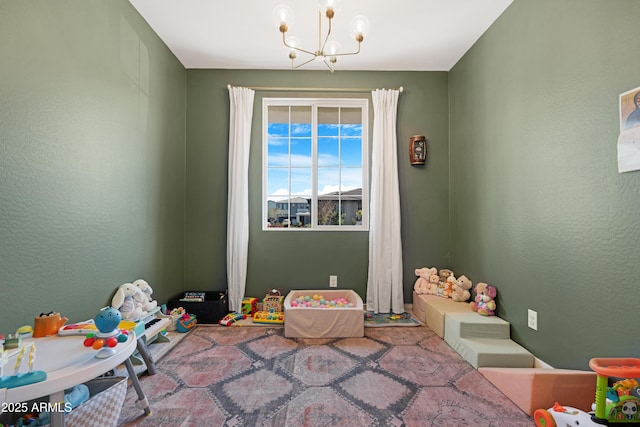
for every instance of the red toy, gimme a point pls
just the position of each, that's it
(231, 318)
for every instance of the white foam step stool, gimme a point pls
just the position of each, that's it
(484, 341)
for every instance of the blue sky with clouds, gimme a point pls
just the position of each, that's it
(339, 158)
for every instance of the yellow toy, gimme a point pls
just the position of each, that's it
(269, 317)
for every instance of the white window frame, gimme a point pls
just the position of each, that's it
(315, 103)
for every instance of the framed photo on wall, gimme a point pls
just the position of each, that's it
(630, 109)
(629, 138)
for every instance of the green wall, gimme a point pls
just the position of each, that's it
(538, 208)
(113, 166)
(92, 158)
(304, 260)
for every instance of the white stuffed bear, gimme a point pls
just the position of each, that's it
(422, 285)
(149, 304)
(128, 300)
(461, 289)
(434, 285)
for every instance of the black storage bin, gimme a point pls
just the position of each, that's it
(214, 307)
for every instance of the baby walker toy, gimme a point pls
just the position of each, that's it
(615, 404)
(108, 335)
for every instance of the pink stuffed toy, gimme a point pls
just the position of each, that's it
(484, 302)
(422, 285)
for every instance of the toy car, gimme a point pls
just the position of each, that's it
(616, 404)
(560, 416)
(231, 318)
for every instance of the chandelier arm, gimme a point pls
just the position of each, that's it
(326, 39)
(328, 64)
(304, 63)
(348, 53)
(284, 41)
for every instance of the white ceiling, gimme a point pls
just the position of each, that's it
(406, 35)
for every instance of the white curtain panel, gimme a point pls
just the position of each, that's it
(384, 282)
(241, 113)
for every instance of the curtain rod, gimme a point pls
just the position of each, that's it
(313, 89)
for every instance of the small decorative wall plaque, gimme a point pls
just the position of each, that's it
(417, 150)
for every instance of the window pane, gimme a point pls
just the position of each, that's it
(278, 151)
(278, 182)
(277, 211)
(328, 211)
(301, 120)
(328, 152)
(328, 180)
(301, 130)
(301, 152)
(351, 207)
(350, 130)
(278, 121)
(351, 152)
(328, 120)
(300, 212)
(301, 181)
(351, 116)
(351, 179)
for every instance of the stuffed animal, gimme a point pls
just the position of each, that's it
(446, 279)
(434, 280)
(461, 289)
(128, 300)
(148, 304)
(484, 302)
(422, 283)
(445, 273)
(445, 289)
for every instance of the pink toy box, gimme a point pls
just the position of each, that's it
(335, 322)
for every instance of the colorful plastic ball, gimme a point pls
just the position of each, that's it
(88, 342)
(98, 344)
(123, 337)
(112, 342)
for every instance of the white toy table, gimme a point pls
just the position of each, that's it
(67, 363)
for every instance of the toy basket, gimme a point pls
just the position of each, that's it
(104, 405)
(106, 398)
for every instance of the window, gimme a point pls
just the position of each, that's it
(315, 164)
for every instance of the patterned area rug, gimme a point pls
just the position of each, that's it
(373, 320)
(395, 377)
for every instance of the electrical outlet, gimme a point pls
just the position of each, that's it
(532, 319)
(333, 281)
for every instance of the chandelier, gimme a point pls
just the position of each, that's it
(328, 50)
